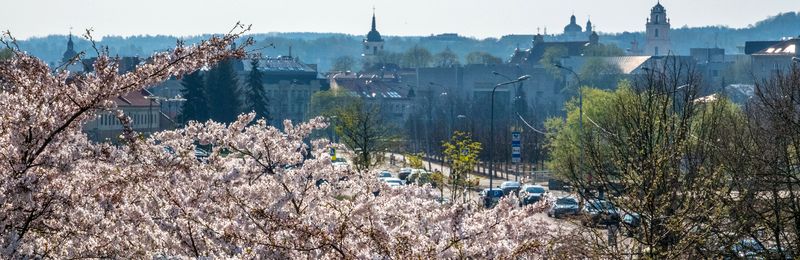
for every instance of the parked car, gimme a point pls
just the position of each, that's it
(510, 187)
(384, 174)
(564, 206)
(532, 194)
(403, 173)
(600, 212)
(491, 197)
(393, 182)
(749, 248)
(418, 176)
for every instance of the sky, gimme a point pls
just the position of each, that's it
(474, 18)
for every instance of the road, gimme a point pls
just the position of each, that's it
(557, 225)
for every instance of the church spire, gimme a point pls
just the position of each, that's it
(374, 35)
(70, 52)
(373, 19)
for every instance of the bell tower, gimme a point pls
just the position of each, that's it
(373, 44)
(657, 41)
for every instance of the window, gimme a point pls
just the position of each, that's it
(655, 53)
(656, 32)
(375, 50)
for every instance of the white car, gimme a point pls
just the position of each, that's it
(392, 182)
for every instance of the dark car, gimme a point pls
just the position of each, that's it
(491, 197)
(565, 206)
(510, 187)
(600, 212)
(532, 194)
(403, 173)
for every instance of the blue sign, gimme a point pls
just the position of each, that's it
(516, 147)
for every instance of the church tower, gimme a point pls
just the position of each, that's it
(657, 42)
(70, 52)
(373, 44)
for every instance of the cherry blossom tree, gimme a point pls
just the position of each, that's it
(262, 192)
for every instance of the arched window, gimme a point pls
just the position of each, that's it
(375, 50)
(656, 32)
(657, 20)
(656, 51)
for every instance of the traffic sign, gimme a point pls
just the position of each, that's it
(516, 147)
(333, 154)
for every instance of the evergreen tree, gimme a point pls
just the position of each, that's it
(221, 86)
(196, 105)
(255, 98)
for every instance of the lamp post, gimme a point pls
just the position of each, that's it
(580, 117)
(333, 122)
(173, 113)
(463, 125)
(447, 94)
(150, 117)
(516, 120)
(491, 131)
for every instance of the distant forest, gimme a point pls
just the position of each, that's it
(324, 48)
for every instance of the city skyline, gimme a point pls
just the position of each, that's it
(478, 19)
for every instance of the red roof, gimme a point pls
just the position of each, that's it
(136, 99)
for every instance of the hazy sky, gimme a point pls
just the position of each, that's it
(478, 18)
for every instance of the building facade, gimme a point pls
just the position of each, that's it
(288, 84)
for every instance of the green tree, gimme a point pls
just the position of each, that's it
(446, 58)
(255, 98)
(325, 103)
(551, 56)
(415, 160)
(223, 96)
(652, 148)
(417, 57)
(196, 105)
(343, 63)
(599, 73)
(480, 57)
(462, 154)
(361, 129)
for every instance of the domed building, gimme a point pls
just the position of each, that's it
(574, 32)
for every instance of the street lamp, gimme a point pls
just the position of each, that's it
(150, 117)
(580, 116)
(516, 121)
(450, 101)
(173, 113)
(464, 125)
(491, 123)
(333, 122)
